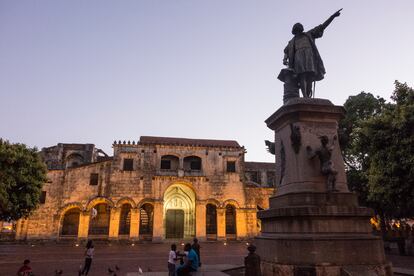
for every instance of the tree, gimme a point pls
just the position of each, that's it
(391, 153)
(359, 109)
(377, 140)
(22, 174)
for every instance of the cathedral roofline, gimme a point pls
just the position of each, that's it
(153, 140)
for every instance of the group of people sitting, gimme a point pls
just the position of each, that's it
(189, 260)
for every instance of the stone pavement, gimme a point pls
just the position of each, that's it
(402, 265)
(152, 258)
(205, 270)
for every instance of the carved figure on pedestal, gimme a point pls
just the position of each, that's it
(303, 60)
(270, 146)
(282, 162)
(324, 153)
(295, 137)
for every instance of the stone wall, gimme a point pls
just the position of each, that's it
(70, 188)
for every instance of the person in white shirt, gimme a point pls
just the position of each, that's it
(88, 257)
(172, 258)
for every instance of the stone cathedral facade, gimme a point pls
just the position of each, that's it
(155, 189)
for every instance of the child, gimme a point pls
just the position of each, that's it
(172, 257)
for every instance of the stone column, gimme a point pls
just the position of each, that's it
(221, 223)
(158, 227)
(241, 224)
(114, 223)
(201, 221)
(83, 229)
(134, 228)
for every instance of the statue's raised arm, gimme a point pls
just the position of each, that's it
(331, 18)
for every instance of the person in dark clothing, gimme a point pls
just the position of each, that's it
(252, 262)
(191, 263)
(88, 258)
(25, 270)
(196, 247)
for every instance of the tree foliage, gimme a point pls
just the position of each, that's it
(22, 174)
(391, 149)
(377, 139)
(359, 109)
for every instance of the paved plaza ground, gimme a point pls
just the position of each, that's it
(45, 259)
(150, 257)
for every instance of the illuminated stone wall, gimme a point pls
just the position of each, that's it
(71, 189)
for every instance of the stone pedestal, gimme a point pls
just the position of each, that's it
(310, 229)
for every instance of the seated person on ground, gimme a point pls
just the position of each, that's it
(191, 263)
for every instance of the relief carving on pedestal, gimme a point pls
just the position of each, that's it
(282, 161)
(295, 137)
(324, 153)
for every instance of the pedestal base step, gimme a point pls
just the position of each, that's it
(275, 269)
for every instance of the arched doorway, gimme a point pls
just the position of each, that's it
(179, 212)
(70, 223)
(74, 160)
(230, 222)
(146, 220)
(125, 219)
(99, 221)
(211, 221)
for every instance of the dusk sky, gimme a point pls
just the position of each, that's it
(79, 71)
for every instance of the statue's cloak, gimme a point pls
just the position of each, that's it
(312, 34)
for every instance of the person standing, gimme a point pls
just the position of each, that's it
(88, 257)
(196, 246)
(172, 258)
(252, 262)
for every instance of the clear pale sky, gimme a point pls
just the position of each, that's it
(96, 71)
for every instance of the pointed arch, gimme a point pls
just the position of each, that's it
(179, 211)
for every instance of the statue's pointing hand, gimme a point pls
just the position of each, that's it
(338, 13)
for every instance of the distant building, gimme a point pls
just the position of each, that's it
(158, 188)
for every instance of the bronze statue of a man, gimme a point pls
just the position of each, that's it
(302, 56)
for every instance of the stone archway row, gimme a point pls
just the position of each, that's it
(102, 218)
(78, 217)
